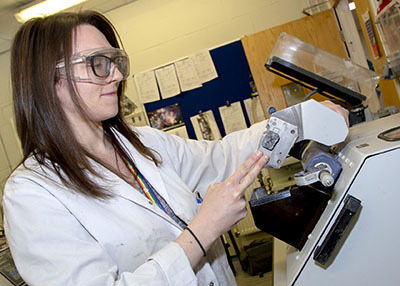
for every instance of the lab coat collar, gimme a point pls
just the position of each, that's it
(151, 172)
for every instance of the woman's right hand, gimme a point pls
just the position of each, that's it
(224, 203)
(223, 206)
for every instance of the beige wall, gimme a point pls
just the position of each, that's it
(156, 32)
(10, 153)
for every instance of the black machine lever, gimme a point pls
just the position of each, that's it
(346, 216)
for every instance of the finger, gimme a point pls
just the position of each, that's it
(249, 178)
(346, 117)
(338, 109)
(347, 121)
(344, 112)
(245, 167)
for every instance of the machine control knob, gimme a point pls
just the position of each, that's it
(319, 173)
(326, 178)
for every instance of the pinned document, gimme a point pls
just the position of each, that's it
(167, 81)
(146, 86)
(204, 66)
(254, 109)
(232, 117)
(187, 75)
(205, 127)
(179, 130)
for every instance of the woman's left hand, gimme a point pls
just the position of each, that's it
(337, 108)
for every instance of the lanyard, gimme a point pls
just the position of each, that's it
(145, 186)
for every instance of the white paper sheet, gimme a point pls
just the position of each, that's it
(179, 131)
(167, 81)
(204, 66)
(232, 117)
(187, 75)
(205, 126)
(254, 109)
(146, 86)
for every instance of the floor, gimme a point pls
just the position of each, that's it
(244, 279)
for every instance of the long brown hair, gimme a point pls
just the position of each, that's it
(41, 123)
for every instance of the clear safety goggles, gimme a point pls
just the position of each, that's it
(97, 65)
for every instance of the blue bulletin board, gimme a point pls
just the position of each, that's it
(231, 85)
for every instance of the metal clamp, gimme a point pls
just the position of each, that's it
(319, 173)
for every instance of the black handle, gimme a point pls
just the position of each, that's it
(325, 250)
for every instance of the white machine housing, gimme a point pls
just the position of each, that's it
(309, 120)
(369, 252)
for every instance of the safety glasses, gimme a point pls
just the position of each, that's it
(97, 65)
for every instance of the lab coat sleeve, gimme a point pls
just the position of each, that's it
(200, 163)
(51, 247)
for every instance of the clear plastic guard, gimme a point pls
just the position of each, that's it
(388, 24)
(330, 67)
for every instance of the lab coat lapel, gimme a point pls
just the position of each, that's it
(148, 169)
(126, 191)
(152, 174)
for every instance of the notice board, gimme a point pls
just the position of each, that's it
(231, 85)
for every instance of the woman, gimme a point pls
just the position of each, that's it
(97, 203)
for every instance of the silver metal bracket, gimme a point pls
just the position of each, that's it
(319, 173)
(277, 140)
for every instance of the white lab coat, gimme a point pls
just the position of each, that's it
(58, 237)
